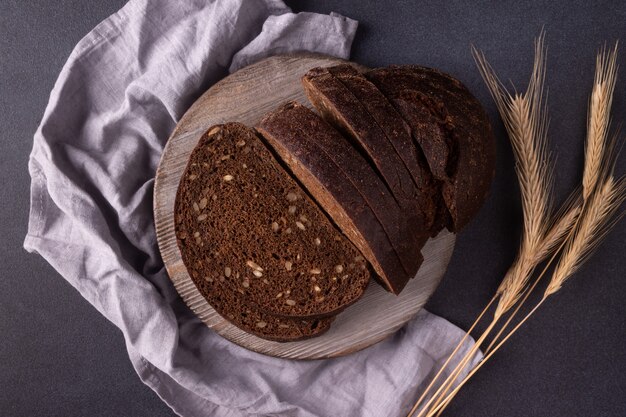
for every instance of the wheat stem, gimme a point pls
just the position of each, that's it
(450, 357)
(482, 362)
(442, 403)
(457, 370)
(443, 407)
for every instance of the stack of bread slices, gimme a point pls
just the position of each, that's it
(282, 226)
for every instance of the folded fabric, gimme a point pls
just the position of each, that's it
(94, 157)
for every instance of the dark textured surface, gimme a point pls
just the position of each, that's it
(59, 357)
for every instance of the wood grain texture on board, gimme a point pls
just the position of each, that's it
(245, 96)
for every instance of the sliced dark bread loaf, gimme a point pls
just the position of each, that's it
(342, 109)
(470, 163)
(432, 142)
(253, 231)
(348, 189)
(399, 135)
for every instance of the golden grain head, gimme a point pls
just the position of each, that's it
(525, 118)
(599, 117)
(598, 217)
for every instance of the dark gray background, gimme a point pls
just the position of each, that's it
(59, 357)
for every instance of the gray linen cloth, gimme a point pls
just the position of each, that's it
(117, 99)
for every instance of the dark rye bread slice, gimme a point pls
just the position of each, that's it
(471, 161)
(345, 185)
(230, 305)
(399, 135)
(254, 232)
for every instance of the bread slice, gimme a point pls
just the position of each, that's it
(398, 134)
(346, 186)
(251, 229)
(442, 113)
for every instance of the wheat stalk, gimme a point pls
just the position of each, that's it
(526, 122)
(580, 224)
(598, 155)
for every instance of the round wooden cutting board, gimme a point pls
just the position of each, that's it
(245, 96)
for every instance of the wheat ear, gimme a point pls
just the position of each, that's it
(525, 119)
(599, 116)
(595, 222)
